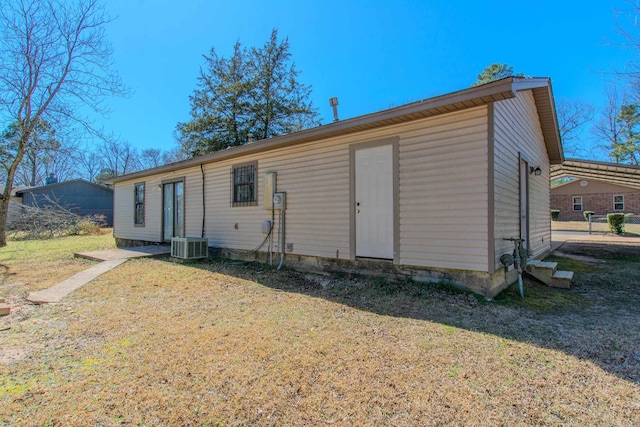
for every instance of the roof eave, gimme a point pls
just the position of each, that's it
(451, 102)
(455, 101)
(545, 104)
(60, 184)
(614, 173)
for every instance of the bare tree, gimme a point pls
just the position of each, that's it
(150, 158)
(90, 164)
(627, 25)
(176, 154)
(62, 163)
(573, 114)
(608, 128)
(154, 157)
(626, 22)
(119, 157)
(54, 58)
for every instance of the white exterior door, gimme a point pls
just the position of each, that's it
(374, 202)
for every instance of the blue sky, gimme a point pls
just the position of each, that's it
(372, 55)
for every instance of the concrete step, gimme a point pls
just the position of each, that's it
(5, 310)
(542, 271)
(561, 279)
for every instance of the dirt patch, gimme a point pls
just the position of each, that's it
(603, 251)
(581, 258)
(12, 354)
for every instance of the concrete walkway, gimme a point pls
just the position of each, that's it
(111, 258)
(133, 252)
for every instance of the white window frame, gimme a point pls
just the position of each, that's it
(618, 203)
(574, 203)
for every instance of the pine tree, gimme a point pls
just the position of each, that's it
(627, 148)
(495, 72)
(256, 91)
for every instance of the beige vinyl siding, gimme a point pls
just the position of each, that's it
(315, 178)
(443, 212)
(443, 192)
(517, 130)
(123, 212)
(192, 200)
(152, 230)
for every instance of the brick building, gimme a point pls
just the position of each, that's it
(579, 195)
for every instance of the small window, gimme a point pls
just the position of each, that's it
(618, 203)
(244, 185)
(577, 203)
(138, 216)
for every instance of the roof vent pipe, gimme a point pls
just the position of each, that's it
(50, 179)
(250, 138)
(334, 104)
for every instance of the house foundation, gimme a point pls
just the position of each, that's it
(488, 285)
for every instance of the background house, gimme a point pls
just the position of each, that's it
(428, 190)
(79, 196)
(601, 187)
(575, 197)
(13, 200)
(14, 190)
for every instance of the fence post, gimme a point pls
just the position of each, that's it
(590, 215)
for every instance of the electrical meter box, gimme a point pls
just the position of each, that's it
(269, 189)
(279, 201)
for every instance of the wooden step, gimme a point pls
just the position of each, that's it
(535, 263)
(542, 271)
(5, 310)
(547, 265)
(2, 300)
(561, 279)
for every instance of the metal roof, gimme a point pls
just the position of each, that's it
(456, 101)
(62, 184)
(614, 173)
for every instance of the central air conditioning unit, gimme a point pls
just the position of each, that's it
(189, 247)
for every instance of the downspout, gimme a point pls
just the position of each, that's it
(282, 248)
(273, 220)
(203, 201)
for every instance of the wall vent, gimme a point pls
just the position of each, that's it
(189, 247)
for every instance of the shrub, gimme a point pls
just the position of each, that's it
(32, 222)
(555, 213)
(616, 222)
(586, 215)
(89, 225)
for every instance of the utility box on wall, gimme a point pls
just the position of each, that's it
(269, 189)
(279, 201)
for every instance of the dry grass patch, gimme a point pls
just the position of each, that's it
(597, 227)
(222, 343)
(30, 265)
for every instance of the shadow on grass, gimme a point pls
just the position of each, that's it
(598, 319)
